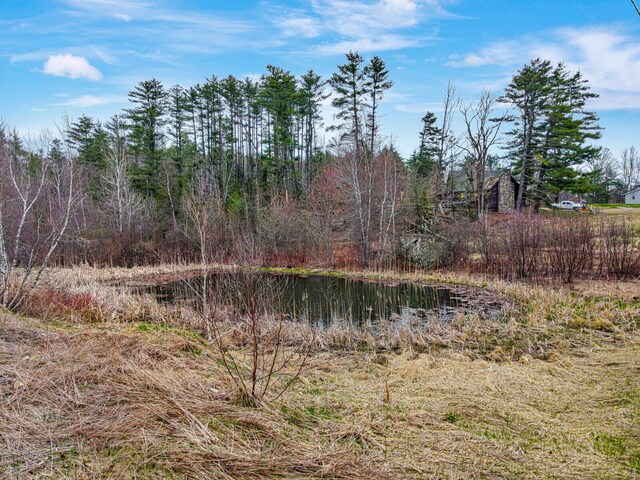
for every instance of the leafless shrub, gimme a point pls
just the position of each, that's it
(460, 235)
(571, 246)
(287, 233)
(525, 237)
(490, 244)
(37, 197)
(245, 312)
(619, 248)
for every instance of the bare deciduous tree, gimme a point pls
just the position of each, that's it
(36, 205)
(251, 303)
(629, 168)
(120, 199)
(482, 134)
(201, 206)
(448, 143)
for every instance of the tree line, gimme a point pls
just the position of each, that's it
(249, 166)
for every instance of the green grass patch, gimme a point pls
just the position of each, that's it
(634, 461)
(609, 445)
(614, 205)
(322, 412)
(452, 417)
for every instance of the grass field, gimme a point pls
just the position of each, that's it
(614, 205)
(125, 401)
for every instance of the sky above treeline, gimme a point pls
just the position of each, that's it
(84, 56)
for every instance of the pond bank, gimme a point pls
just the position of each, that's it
(552, 319)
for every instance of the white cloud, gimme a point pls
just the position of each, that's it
(124, 10)
(254, 77)
(366, 44)
(300, 26)
(150, 11)
(608, 59)
(84, 101)
(362, 25)
(503, 53)
(71, 66)
(419, 107)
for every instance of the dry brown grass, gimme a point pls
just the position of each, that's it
(113, 385)
(103, 404)
(452, 417)
(121, 401)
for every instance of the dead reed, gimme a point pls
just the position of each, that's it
(97, 404)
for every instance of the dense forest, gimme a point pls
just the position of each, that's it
(243, 170)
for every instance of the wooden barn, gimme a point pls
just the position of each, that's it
(501, 190)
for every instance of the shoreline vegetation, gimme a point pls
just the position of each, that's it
(97, 382)
(535, 319)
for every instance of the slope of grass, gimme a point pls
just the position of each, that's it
(121, 401)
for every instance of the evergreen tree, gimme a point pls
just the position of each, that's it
(567, 129)
(425, 157)
(376, 82)
(279, 98)
(178, 117)
(88, 138)
(147, 120)
(528, 92)
(551, 134)
(350, 86)
(312, 94)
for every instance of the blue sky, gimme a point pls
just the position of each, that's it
(83, 56)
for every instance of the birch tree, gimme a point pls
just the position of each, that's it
(629, 166)
(35, 210)
(120, 199)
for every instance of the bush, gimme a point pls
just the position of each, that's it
(524, 241)
(448, 245)
(619, 249)
(571, 247)
(529, 246)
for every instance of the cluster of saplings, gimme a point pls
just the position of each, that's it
(561, 247)
(244, 170)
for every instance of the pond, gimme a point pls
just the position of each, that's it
(323, 299)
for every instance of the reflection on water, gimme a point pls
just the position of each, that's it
(322, 300)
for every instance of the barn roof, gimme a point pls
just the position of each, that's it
(460, 181)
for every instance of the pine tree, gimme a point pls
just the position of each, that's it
(350, 86)
(147, 120)
(88, 138)
(312, 94)
(528, 92)
(377, 82)
(552, 130)
(178, 117)
(567, 129)
(425, 157)
(279, 98)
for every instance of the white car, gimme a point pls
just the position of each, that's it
(567, 205)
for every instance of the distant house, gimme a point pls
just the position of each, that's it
(501, 189)
(632, 196)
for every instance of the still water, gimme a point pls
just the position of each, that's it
(318, 299)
